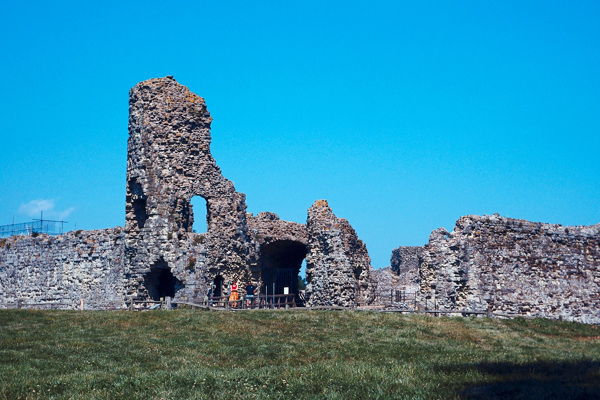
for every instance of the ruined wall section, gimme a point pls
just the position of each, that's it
(86, 265)
(515, 266)
(169, 162)
(271, 237)
(360, 263)
(337, 263)
(385, 281)
(405, 264)
(266, 228)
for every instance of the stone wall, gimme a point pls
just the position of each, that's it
(169, 162)
(405, 264)
(338, 264)
(514, 266)
(157, 254)
(78, 265)
(486, 263)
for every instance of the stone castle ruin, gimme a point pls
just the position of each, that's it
(492, 264)
(507, 266)
(157, 254)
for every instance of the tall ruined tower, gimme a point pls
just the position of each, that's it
(169, 162)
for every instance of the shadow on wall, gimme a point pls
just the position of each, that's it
(541, 380)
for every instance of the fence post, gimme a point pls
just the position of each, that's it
(81, 304)
(19, 303)
(168, 302)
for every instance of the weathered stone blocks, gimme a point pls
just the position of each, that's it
(405, 263)
(157, 254)
(337, 262)
(82, 265)
(512, 266)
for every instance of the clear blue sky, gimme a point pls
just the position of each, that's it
(404, 115)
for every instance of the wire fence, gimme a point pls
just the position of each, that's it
(33, 228)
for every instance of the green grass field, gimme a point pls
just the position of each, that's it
(292, 355)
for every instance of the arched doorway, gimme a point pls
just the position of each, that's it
(160, 281)
(280, 264)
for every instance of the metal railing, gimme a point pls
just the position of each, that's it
(37, 226)
(278, 301)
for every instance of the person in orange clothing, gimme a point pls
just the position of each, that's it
(234, 296)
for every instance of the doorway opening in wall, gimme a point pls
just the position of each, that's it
(217, 288)
(302, 276)
(280, 263)
(160, 281)
(199, 209)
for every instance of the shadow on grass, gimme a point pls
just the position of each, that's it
(541, 380)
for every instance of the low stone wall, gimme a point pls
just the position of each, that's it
(64, 269)
(514, 266)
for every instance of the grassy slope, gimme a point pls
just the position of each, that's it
(294, 354)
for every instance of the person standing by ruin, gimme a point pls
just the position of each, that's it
(234, 296)
(249, 293)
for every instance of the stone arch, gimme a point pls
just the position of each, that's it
(159, 281)
(279, 265)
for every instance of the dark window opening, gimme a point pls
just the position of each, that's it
(138, 203)
(139, 209)
(280, 265)
(198, 211)
(160, 281)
